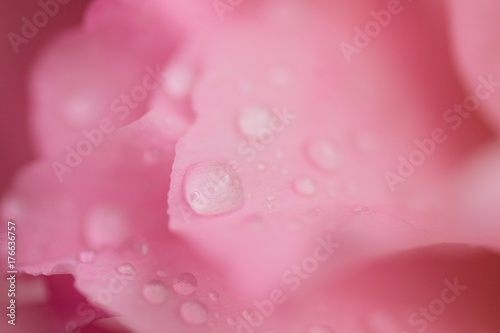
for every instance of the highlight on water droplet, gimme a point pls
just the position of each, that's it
(212, 189)
(185, 284)
(106, 226)
(126, 269)
(261, 166)
(323, 155)
(155, 292)
(253, 119)
(304, 186)
(194, 313)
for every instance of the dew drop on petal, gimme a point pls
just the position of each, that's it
(360, 210)
(185, 284)
(178, 81)
(86, 257)
(320, 329)
(271, 198)
(261, 166)
(304, 186)
(194, 313)
(162, 273)
(105, 226)
(212, 189)
(214, 296)
(126, 269)
(252, 119)
(323, 155)
(135, 247)
(151, 156)
(155, 292)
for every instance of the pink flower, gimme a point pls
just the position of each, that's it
(265, 166)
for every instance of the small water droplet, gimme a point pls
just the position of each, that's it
(194, 313)
(253, 119)
(162, 273)
(279, 77)
(155, 292)
(320, 329)
(178, 81)
(231, 320)
(261, 166)
(105, 226)
(87, 256)
(185, 284)
(212, 189)
(126, 269)
(360, 210)
(304, 186)
(214, 296)
(323, 155)
(151, 156)
(271, 198)
(135, 247)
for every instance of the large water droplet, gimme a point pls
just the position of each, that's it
(252, 119)
(185, 284)
(105, 226)
(155, 292)
(212, 189)
(320, 329)
(194, 313)
(126, 269)
(323, 154)
(304, 186)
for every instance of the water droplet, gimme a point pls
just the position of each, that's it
(271, 198)
(87, 256)
(212, 189)
(105, 226)
(185, 284)
(126, 269)
(252, 119)
(214, 296)
(194, 313)
(155, 292)
(231, 320)
(135, 247)
(320, 329)
(178, 81)
(261, 166)
(360, 210)
(304, 186)
(162, 273)
(279, 77)
(323, 154)
(151, 156)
